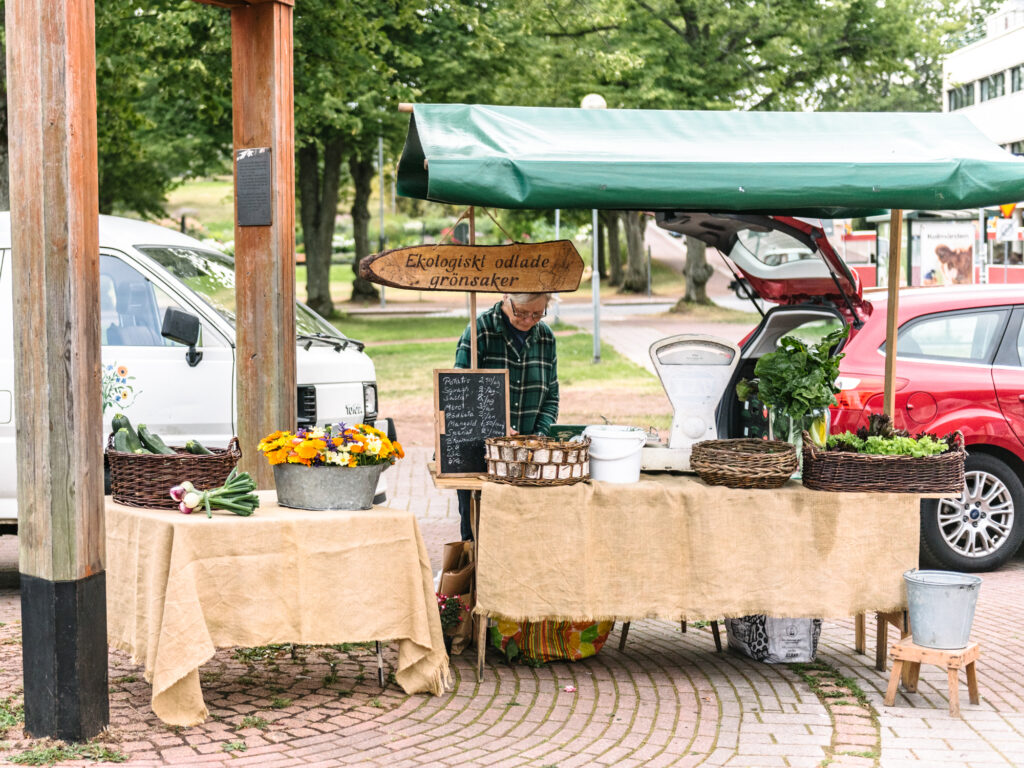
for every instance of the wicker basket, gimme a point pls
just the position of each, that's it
(537, 460)
(745, 462)
(849, 471)
(145, 479)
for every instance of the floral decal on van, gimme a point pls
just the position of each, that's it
(116, 387)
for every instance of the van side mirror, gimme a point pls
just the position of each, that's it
(183, 327)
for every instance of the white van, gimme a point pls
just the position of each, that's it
(144, 270)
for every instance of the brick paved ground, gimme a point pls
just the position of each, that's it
(667, 699)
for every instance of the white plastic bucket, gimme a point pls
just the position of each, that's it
(941, 607)
(615, 452)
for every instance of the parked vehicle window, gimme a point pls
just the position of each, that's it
(967, 337)
(132, 307)
(212, 276)
(772, 248)
(814, 331)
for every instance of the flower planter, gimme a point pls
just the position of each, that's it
(326, 487)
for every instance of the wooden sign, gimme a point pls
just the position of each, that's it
(515, 268)
(470, 405)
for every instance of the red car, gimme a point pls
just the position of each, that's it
(960, 366)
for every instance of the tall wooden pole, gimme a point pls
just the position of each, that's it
(261, 64)
(51, 75)
(892, 319)
(472, 295)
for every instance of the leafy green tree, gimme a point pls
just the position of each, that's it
(163, 93)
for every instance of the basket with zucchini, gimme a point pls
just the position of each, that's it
(143, 467)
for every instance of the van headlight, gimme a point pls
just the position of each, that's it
(369, 400)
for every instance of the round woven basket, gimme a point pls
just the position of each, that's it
(744, 462)
(145, 479)
(537, 460)
(849, 471)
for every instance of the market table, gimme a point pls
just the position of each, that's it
(672, 547)
(181, 586)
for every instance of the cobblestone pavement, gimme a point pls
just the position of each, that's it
(667, 699)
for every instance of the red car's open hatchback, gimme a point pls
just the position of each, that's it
(960, 366)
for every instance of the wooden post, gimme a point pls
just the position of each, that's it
(262, 99)
(472, 295)
(892, 320)
(51, 75)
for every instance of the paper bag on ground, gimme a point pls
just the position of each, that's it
(457, 571)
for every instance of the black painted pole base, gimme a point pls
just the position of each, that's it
(64, 651)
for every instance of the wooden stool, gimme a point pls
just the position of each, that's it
(882, 621)
(906, 652)
(714, 630)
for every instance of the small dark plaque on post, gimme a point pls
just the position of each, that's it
(252, 187)
(469, 406)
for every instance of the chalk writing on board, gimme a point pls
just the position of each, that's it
(472, 406)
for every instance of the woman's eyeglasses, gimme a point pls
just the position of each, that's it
(522, 315)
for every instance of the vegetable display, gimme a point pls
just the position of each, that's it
(128, 439)
(236, 495)
(796, 378)
(879, 438)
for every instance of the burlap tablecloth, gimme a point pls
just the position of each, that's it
(671, 547)
(181, 586)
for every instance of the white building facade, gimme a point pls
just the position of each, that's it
(984, 81)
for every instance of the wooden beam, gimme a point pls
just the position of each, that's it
(261, 64)
(51, 75)
(893, 308)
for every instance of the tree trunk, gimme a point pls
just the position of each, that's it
(614, 261)
(362, 176)
(318, 206)
(697, 272)
(635, 279)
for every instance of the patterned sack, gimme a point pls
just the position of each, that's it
(549, 640)
(774, 641)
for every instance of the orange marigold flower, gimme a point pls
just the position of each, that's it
(398, 449)
(309, 449)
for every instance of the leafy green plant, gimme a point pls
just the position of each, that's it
(234, 746)
(48, 755)
(797, 378)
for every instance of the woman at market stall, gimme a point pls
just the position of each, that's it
(511, 335)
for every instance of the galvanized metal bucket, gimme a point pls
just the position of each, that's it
(941, 606)
(326, 487)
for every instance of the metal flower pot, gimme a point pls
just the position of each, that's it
(326, 487)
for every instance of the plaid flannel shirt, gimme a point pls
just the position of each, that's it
(532, 373)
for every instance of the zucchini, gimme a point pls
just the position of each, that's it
(153, 442)
(121, 421)
(134, 444)
(194, 446)
(121, 442)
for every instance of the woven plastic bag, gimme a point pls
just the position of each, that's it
(544, 641)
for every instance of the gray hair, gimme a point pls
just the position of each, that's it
(526, 298)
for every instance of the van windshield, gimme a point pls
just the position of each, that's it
(212, 276)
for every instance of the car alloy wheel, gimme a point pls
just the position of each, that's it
(981, 530)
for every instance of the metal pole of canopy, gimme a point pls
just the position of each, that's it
(892, 324)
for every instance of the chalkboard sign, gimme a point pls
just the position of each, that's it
(470, 405)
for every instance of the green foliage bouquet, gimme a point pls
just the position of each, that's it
(797, 378)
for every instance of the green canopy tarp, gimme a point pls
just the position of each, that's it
(821, 164)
